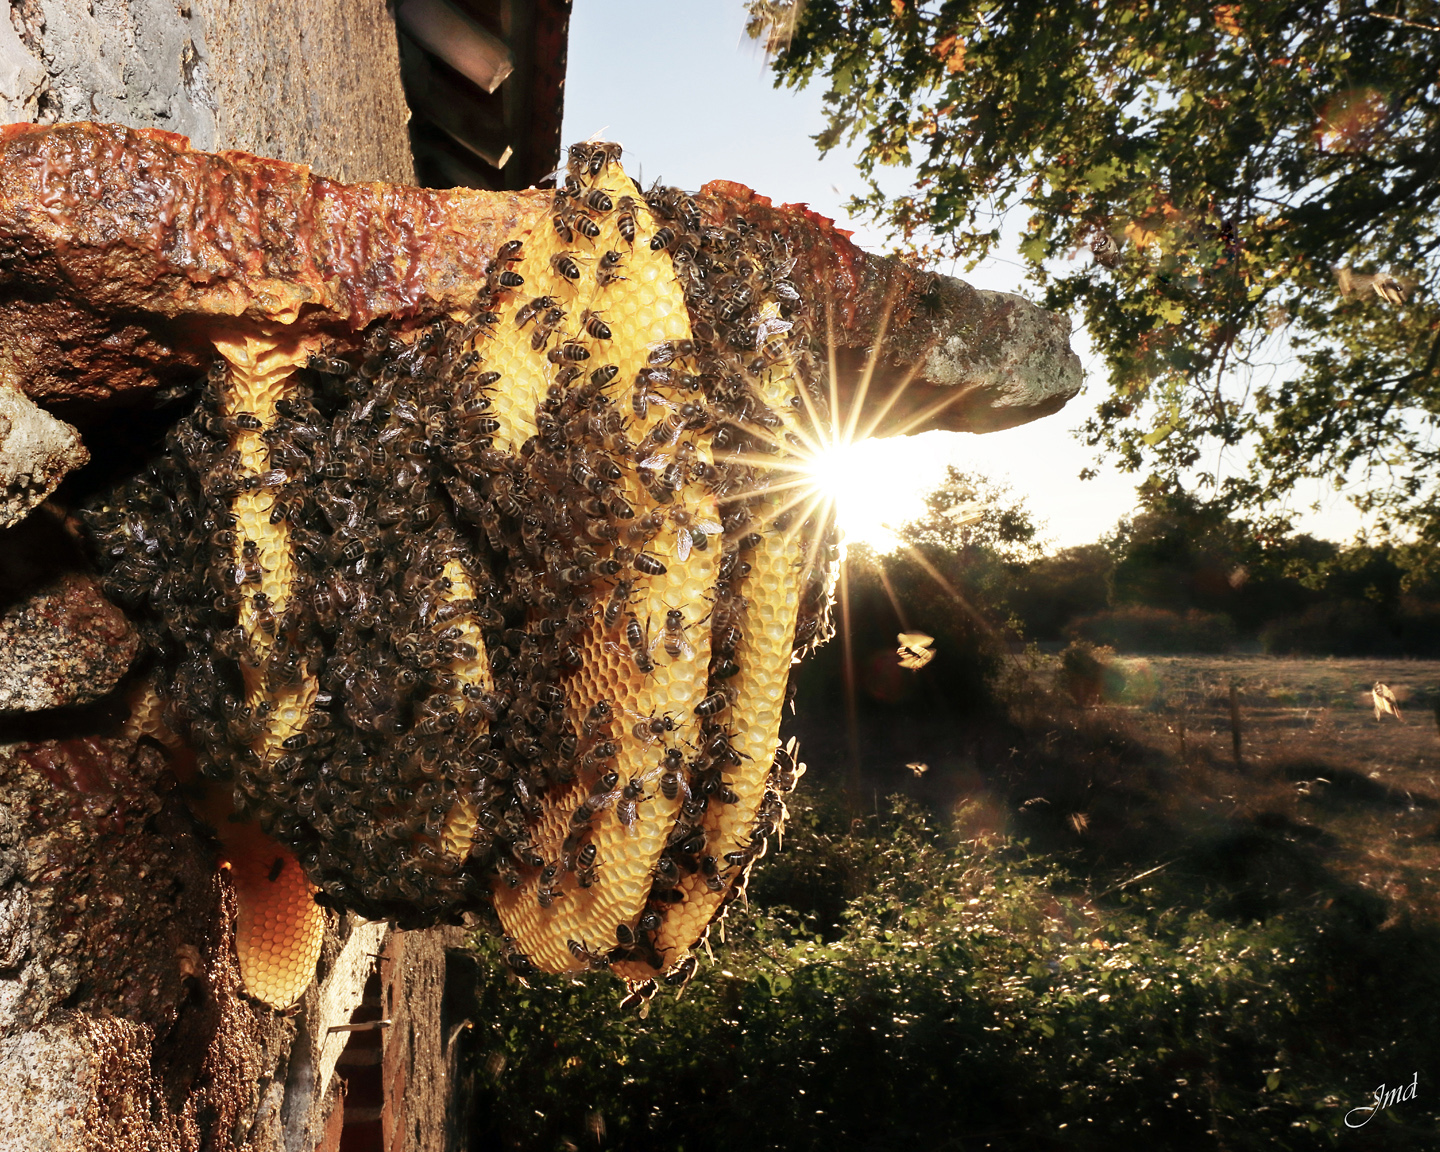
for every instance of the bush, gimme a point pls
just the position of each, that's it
(1356, 628)
(964, 997)
(1155, 630)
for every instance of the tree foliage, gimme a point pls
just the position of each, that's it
(1256, 184)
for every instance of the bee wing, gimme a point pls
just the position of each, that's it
(686, 652)
(683, 544)
(656, 462)
(710, 527)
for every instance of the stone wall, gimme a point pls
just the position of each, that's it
(123, 1021)
(310, 81)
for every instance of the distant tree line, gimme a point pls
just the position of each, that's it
(1182, 574)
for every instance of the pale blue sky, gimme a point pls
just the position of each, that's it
(677, 83)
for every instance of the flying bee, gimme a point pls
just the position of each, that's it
(531, 310)
(565, 266)
(672, 637)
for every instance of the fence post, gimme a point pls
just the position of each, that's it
(1235, 722)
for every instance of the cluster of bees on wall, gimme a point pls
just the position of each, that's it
(401, 460)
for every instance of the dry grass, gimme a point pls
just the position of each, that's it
(1316, 766)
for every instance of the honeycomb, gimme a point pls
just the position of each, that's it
(496, 615)
(278, 927)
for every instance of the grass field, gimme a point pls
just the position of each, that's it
(1315, 762)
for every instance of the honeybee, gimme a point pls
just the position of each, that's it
(672, 637)
(619, 597)
(568, 352)
(714, 704)
(587, 956)
(627, 808)
(603, 154)
(643, 395)
(528, 312)
(607, 271)
(545, 327)
(651, 729)
(691, 532)
(594, 327)
(672, 780)
(655, 448)
(565, 266)
(625, 222)
(667, 351)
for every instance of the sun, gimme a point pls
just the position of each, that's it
(877, 485)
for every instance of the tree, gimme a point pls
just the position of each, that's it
(1250, 179)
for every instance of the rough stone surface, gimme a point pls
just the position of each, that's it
(119, 244)
(945, 354)
(63, 644)
(36, 451)
(311, 81)
(123, 1020)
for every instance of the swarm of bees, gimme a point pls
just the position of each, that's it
(459, 562)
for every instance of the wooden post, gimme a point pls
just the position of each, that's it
(1235, 722)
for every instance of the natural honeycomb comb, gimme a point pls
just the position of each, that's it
(467, 566)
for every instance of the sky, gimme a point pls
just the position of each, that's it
(690, 98)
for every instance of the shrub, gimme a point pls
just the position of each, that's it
(1357, 628)
(964, 997)
(1154, 630)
